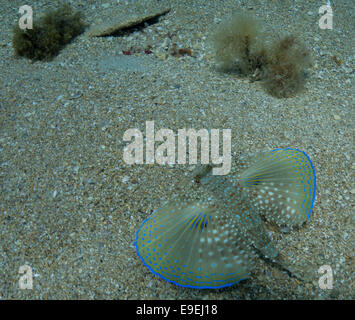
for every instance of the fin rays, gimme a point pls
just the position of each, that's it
(193, 246)
(285, 185)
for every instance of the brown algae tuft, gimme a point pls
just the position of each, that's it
(49, 34)
(288, 58)
(240, 43)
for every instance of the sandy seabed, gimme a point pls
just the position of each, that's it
(70, 206)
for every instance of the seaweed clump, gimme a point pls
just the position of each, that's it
(49, 34)
(288, 58)
(240, 43)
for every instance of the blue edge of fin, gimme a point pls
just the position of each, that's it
(233, 283)
(314, 175)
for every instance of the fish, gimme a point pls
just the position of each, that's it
(210, 239)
